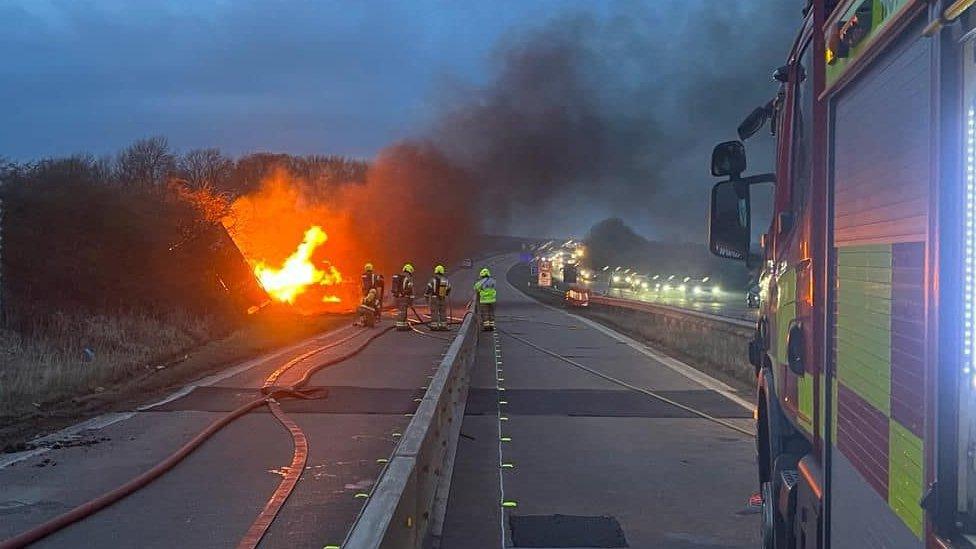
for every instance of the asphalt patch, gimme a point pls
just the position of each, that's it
(602, 403)
(340, 400)
(566, 531)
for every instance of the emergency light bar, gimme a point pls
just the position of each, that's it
(969, 253)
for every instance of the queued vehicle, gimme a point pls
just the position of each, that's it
(752, 296)
(578, 297)
(704, 288)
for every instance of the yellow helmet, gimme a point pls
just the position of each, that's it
(369, 267)
(408, 268)
(485, 272)
(439, 270)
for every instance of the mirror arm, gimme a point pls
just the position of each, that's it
(757, 179)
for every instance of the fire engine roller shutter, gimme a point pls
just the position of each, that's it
(881, 146)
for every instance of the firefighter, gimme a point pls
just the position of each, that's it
(402, 289)
(369, 309)
(485, 288)
(372, 281)
(438, 289)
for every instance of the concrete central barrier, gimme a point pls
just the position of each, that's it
(407, 505)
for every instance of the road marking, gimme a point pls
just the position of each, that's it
(231, 372)
(68, 433)
(673, 364)
(689, 372)
(501, 461)
(105, 420)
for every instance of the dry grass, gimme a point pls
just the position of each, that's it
(52, 365)
(46, 382)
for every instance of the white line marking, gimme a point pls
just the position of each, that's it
(68, 433)
(105, 420)
(231, 372)
(501, 471)
(673, 364)
(680, 367)
(17, 457)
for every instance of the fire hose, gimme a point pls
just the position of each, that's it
(270, 398)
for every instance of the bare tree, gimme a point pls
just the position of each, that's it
(8, 169)
(146, 162)
(205, 168)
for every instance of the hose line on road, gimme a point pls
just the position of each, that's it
(273, 377)
(299, 457)
(300, 443)
(93, 506)
(260, 526)
(632, 387)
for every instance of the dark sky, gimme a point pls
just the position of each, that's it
(350, 77)
(299, 76)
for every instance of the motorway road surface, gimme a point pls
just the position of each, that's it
(590, 461)
(210, 499)
(582, 461)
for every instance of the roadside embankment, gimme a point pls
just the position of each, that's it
(48, 382)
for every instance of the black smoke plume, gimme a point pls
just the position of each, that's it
(614, 114)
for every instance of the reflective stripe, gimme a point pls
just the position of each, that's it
(486, 290)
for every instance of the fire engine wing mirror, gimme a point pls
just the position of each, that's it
(729, 159)
(729, 220)
(730, 217)
(754, 122)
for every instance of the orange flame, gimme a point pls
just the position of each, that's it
(298, 272)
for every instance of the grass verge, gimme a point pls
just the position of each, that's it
(49, 381)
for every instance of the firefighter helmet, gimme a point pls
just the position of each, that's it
(408, 268)
(439, 270)
(485, 272)
(369, 267)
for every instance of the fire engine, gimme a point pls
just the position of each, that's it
(865, 349)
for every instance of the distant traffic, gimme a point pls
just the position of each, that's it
(567, 264)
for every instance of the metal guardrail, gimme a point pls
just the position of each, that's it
(407, 505)
(658, 307)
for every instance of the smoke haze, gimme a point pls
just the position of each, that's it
(595, 115)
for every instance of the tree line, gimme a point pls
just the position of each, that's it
(106, 234)
(152, 163)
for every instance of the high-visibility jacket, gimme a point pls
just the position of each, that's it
(486, 290)
(438, 286)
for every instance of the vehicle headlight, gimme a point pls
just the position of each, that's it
(698, 289)
(682, 288)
